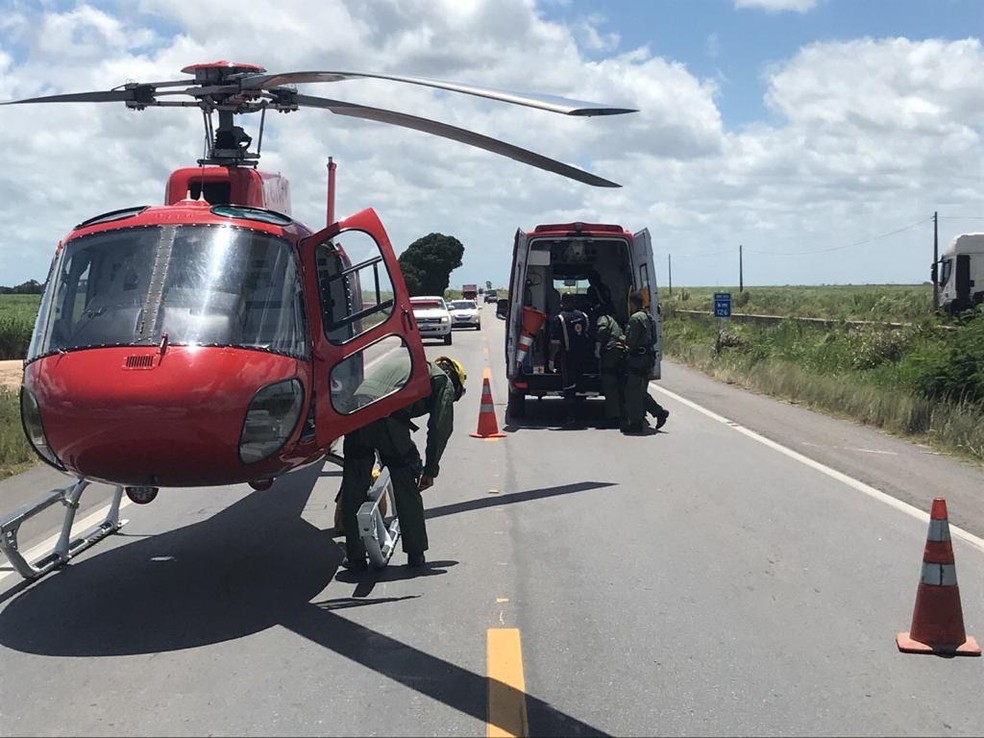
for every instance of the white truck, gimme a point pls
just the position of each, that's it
(959, 274)
(569, 257)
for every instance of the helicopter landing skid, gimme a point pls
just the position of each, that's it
(378, 538)
(67, 546)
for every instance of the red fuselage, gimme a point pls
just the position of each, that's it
(129, 416)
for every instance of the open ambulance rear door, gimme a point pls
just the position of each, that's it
(644, 278)
(517, 294)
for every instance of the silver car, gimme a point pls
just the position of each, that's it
(465, 314)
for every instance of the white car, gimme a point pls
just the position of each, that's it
(465, 314)
(433, 317)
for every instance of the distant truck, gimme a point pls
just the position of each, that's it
(469, 292)
(959, 274)
(491, 295)
(569, 257)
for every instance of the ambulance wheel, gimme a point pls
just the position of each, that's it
(517, 404)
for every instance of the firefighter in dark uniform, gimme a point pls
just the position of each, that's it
(640, 342)
(610, 351)
(390, 437)
(570, 340)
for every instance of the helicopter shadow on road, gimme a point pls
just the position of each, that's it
(366, 581)
(238, 572)
(254, 565)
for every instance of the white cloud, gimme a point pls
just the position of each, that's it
(712, 45)
(864, 135)
(776, 6)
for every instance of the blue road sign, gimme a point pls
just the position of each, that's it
(722, 304)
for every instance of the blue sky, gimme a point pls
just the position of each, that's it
(819, 134)
(717, 39)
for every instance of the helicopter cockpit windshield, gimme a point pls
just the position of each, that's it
(198, 284)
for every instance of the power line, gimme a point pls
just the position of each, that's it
(846, 246)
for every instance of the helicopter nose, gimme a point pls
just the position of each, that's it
(176, 424)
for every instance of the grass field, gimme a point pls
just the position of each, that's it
(887, 303)
(17, 314)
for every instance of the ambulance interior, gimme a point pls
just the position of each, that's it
(575, 266)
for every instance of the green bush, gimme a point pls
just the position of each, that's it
(953, 369)
(15, 453)
(15, 336)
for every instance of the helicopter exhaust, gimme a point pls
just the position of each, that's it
(330, 209)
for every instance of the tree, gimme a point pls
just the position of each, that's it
(428, 262)
(30, 287)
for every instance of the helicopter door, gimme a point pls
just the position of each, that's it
(644, 279)
(362, 327)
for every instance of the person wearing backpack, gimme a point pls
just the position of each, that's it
(570, 343)
(610, 352)
(640, 342)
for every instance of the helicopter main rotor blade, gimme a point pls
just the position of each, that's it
(138, 92)
(107, 96)
(551, 103)
(455, 134)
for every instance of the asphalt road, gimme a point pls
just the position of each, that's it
(743, 572)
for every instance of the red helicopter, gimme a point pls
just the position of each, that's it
(214, 339)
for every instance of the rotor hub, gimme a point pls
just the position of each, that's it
(220, 71)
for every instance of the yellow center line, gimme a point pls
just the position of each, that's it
(507, 686)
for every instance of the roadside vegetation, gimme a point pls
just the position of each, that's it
(17, 314)
(16, 455)
(923, 380)
(889, 303)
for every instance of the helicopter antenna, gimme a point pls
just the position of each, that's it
(259, 140)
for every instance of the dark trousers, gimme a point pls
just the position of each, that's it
(398, 453)
(611, 372)
(571, 368)
(638, 401)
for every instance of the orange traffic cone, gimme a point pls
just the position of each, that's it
(532, 320)
(937, 620)
(487, 425)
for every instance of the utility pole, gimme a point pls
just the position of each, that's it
(741, 279)
(669, 272)
(936, 257)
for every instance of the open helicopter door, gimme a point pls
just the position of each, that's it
(361, 321)
(644, 278)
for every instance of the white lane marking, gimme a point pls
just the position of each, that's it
(860, 486)
(48, 544)
(851, 448)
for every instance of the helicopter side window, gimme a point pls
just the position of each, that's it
(356, 289)
(356, 295)
(362, 378)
